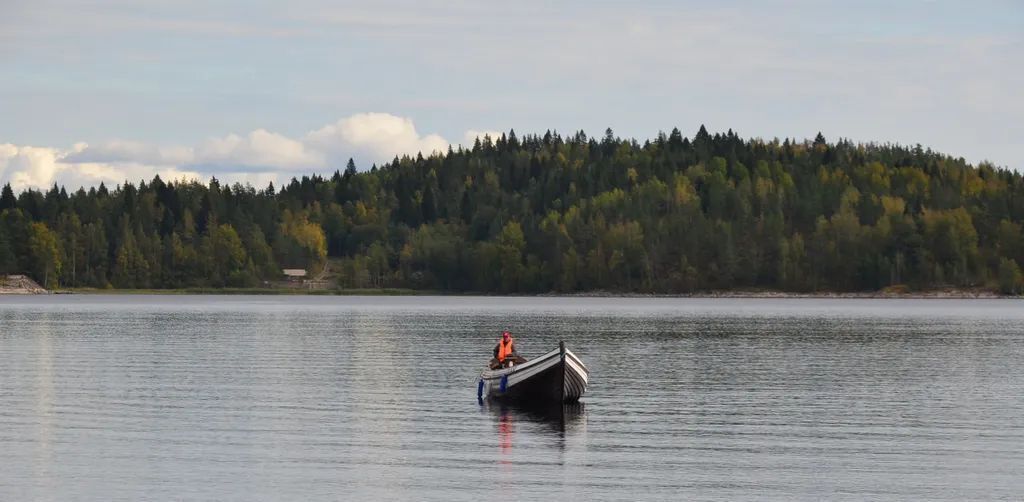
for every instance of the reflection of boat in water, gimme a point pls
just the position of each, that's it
(556, 377)
(557, 417)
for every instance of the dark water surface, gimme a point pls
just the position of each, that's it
(299, 398)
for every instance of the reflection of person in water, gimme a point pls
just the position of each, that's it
(505, 431)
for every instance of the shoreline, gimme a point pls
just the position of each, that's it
(242, 291)
(945, 293)
(784, 295)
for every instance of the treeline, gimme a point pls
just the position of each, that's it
(550, 213)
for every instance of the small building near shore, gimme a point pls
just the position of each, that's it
(294, 274)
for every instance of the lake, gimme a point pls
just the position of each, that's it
(374, 398)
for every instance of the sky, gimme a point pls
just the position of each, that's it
(260, 91)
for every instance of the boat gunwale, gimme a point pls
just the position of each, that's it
(489, 374)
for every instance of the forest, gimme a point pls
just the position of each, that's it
(547, 213)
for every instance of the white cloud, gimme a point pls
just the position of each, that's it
(91, 174)
(380, 136)
(27, 165)
(41, 167)
(471, 135)
(259, 157)
(260, 148)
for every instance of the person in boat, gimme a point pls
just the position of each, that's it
(505, 351)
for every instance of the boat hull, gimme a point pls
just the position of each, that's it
(556, 377)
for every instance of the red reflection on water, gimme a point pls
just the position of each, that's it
(505, 431)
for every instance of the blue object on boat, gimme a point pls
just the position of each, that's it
(480, 389)
(504, 383)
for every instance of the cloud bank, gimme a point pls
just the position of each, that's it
(381, 135)
(259, 157)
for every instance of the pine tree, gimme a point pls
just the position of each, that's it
(7, 199)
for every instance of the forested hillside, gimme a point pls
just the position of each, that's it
(550, 213)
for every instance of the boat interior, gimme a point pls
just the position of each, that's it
(513, 360)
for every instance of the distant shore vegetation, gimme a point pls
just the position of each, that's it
(550, 214)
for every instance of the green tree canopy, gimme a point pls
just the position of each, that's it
(538, 213)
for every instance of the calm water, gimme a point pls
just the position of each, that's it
(297, 398)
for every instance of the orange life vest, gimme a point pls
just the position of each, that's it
(504, 349)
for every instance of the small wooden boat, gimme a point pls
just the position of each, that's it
(556, 377)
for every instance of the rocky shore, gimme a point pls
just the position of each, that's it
(20, 285)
